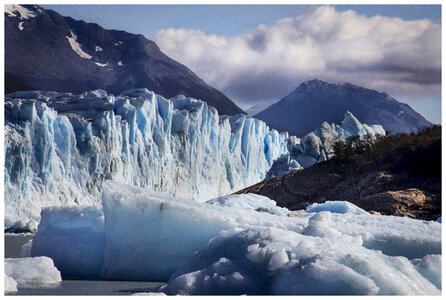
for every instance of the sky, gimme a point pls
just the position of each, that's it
(257, 54)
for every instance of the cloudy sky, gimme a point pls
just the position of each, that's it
(258, 54)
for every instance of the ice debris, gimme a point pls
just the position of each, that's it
(342, 207)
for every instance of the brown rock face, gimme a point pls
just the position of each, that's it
(388, 186)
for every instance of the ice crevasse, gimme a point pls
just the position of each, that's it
(61, 147)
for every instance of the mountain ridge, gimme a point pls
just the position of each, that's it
(48, 51)
(315, 101)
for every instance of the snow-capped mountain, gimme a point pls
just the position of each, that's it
(316, 101)
(47, 51)
(61, 147)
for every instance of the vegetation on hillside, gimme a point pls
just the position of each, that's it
(416, 153)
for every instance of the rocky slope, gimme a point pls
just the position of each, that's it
(316, 101)
(403, 178)
(51, 52)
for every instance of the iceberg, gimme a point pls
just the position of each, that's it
(342, 207)
(229, 246)
(35, 271)
(74, 238)
(10, 285)
(259, 261)
(150, 235)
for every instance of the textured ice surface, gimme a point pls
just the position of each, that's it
(241, 249)
(32, 271)
(150, 235)
(74, 238)
(342, 207)
(317, 146)
(10, 284)
(263, 260)
(60, 148)
(250, 201)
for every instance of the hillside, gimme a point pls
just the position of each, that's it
(399, 175)
(48, 51)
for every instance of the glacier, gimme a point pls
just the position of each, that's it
(60, 148)
(224, 247)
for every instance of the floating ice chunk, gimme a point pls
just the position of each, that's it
(32, 271)
(23, 226)
(21, 26)
(250, 201)
(297, 265)
(320, 225)
(150, 235)
(10, 284)
(149, 294)
(341, 207)
(74, 238)
(98, 49)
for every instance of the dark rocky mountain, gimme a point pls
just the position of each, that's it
(316, 101)
(51, 52)
(399, 175)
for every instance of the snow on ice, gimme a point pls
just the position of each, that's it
(220, 247)
(60, 147)
(30, 271)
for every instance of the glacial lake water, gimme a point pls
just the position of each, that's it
(91, 287)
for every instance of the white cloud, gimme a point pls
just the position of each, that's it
(402, 58)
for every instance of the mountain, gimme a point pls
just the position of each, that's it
(51, 52)
(400, 175)
(315, 101)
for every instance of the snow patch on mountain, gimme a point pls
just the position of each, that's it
(76, 46)
(15, 10)
(101, 65)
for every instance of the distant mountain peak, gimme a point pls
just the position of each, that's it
(311, 84)
(315, 101)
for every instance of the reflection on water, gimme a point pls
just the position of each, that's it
(91, 287)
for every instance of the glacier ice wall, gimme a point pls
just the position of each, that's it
(60, 148)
